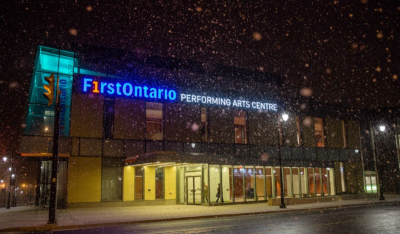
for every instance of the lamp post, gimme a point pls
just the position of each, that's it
(382, 128)
(11, 178)
(285, 117)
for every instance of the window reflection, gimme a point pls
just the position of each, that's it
(240, 127)
(319, 132)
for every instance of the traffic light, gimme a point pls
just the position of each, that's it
(49, 88)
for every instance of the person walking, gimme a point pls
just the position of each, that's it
(219, 194)
(205, 192)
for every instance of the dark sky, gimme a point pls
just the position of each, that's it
(346, 52)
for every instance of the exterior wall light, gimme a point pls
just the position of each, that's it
(5, 159)
(382, 128)
(285, 117)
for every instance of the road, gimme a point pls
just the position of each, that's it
(364, 219)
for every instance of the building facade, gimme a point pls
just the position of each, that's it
(140, 129)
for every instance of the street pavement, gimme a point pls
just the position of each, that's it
(374, 219)
(32, 218)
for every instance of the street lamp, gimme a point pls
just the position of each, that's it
(382, 128)
(5, 159)
(285, 117)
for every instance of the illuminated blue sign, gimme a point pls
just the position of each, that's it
(126, 89)
(228, 102)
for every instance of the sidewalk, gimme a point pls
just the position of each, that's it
(31, 218)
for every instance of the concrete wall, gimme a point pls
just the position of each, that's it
(221, 125)
(129, 119)
(263, 128)
(334, 133)
(308, 131)
(84, 179)
(338, 178)
(354, 177)
(87, 116)
(353, 134)
(182, 122)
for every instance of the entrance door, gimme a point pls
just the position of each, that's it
(193, 186)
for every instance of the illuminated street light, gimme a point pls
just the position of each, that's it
(9, 169)
(5, 159)
(382, 128)
(285, 117)
(12, 175)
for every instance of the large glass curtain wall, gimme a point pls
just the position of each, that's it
(226, 183)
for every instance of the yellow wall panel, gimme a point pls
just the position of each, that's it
(170, 182)
(149, 183)
(84, 179)
(129, 184)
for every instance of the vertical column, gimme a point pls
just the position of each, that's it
(320, 182)
(233, 184)
(273, 182)
(291, 182)
(306, 181)
(265, 185)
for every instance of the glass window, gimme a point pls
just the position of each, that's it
(154, 117)
(111, 179)
(216, 191)
(238, 172)
(227, 183)
(138, 183)
(342, 177)
(332, 181)
(268, 182)
(260, 188)
(249, 183)
(204, 127)
(319, 132)
(318, 181)
(287, 182)
(277, 174)
(160, 183)
(240, 127)
(296, 182)
(311, 184)
(325, 181)
(370, 184)
(303, 182)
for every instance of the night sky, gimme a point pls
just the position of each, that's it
(346, 52)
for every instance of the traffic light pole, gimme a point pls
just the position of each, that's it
(54, 167)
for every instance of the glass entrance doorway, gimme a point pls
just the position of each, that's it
(193, 189)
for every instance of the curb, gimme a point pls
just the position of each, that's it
(51, 227)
